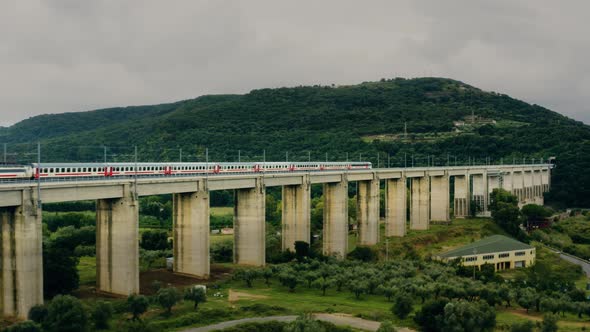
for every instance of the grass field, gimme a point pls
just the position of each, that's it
(276, 299)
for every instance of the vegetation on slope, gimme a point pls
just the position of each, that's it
(333, 120)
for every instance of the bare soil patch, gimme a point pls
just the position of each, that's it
(236, 296)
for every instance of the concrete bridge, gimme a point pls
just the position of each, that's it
(117, 215)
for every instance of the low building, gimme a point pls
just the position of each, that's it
(501, 251)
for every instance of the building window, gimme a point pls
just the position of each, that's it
(504, 255)
(488, 257)
(519, 253)
(471, 259)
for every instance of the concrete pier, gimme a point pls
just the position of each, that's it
(439, 198)
(191, 233)
(368, 212)
(538, 197)
(420, 203)
(462, 196)
(545, 180)
(528, 187)
(336, 219)
(21, 276)
(395, 207)
(518, 185)
(117, 244)
(249, 226)
(480, 192)
(296, 209)
(507, 179)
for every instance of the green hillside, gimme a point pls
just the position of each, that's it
(367, 118)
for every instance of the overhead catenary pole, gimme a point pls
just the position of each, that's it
(239, 156)
(309, 156)
(287, 156)
(135, 173)
(5, 153)
(104, 151)
(39, 175)
(180, 152)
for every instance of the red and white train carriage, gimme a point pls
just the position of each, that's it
(69, 170)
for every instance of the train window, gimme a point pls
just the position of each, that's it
(51, 170)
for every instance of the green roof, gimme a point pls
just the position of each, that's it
(488, 245)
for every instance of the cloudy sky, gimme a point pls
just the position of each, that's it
(71, 55)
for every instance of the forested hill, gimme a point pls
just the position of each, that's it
(365, 119)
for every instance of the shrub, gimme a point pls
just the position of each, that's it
(196, 295)
(402, 305)
(38, 313)
(526, 326)
(167, 298)
(65, 314)
(26, 326)
(137, 305)
(365, 254)
(101, 313)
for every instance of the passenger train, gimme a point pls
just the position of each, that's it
(80, 170)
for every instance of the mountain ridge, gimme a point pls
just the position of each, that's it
(341, 121)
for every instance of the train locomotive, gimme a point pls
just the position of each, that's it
(81, 170)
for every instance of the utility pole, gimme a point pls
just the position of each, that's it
(206, 162)
(180, 154)
(39, 175)
(239, 156)
(135, 175)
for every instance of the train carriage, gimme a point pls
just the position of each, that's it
(91, 170)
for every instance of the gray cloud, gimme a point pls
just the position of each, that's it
(69, 55)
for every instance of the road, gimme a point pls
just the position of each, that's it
(337, 319)
(573, 259)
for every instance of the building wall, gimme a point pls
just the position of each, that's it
(528, 258)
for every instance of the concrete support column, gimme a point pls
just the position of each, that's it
(395, 207)
(462, 196)
(439, 198)
(538, 187)
(296, 208)
(420, 203)
(249, 226)
(517, 185)
(336, 219)
(545, 180)
(528, 186)
(507, 179)
(367, 212)
(494, 182)
(191, 233)
(21, 274)
(480, 192)
(117, 244)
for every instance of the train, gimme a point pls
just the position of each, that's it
(81, 170)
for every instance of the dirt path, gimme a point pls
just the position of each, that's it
(337, 319)
(522, 314)
(234, 296)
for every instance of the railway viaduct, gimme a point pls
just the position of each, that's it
(117, 214)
